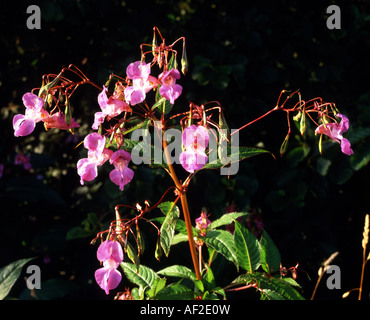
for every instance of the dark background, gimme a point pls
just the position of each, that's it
(312, 205)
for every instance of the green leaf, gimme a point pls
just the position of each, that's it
(144, 277)
(158, 285)
(178, 271)
(271, 288)
(270, 256)
(247, 248)
(226, 219)
(163, 105)
(9, 275)
(235, 155)
(223, 242)
(209, 280)
(172, 213)
(175, 291)
(178, 238)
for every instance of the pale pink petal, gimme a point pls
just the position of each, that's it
(193, 132)
(23, 126)
(192, 161)
(87, 170)
(98, 119)
(32, 101)
(95, 142)
(108, 279)
(110, 250)
(138, 69)
(121, 177)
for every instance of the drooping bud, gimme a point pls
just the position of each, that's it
(302, 124)
(284, 145)
(45, 88)
(68, 112)
(184, 60)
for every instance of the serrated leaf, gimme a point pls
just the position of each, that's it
(209, 280)
(178, 238)
(178, 271)
(175, 291)
(223, 242)
(9, 275)
(226, 219)
(158, 285)
(235, 155)
(144, 277)
(271, 288)
(167, 230)
(247, 248)
(270, 256)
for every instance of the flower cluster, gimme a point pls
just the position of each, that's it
(98, 154)
(142, 82)
(110, 253)
(24, 125)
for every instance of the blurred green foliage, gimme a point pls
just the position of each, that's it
(241, 57)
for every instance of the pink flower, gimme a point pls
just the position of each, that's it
(111, 254)
(110, 107)
(202, 223)
(58, 121)
(169, 89)
(122, 174)
(142, 82)
(138, 69)
(25, 124)
(195, 140)
(87, 168)
(335, 130)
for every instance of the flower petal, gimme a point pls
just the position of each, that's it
(121, 177)
(110, 250)
(108, 279)
(192, 161)
(345, 146)
(22, 126)
(32, 101)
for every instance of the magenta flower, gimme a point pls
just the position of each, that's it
(58, 121)
(202, 223)
(25, 124)
(122, 174)
(195, 140)
(110, 107)
(87, 168)
(111, 254)
(142, 82)
(335, 130)
(169, 89)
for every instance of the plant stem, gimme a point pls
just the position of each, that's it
(362, 278)
(185, 210)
